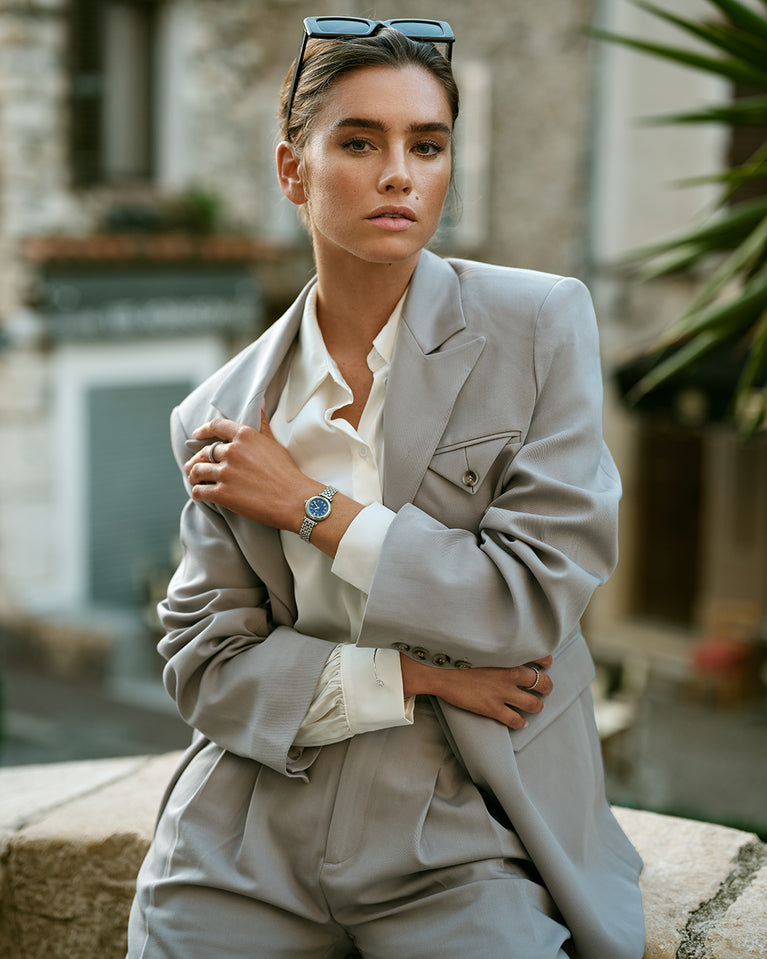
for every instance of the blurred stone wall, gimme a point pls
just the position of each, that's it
(536, 146)
(526, 131)
(234, 56)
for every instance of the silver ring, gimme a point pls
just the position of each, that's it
(537, 676)
(211, 450)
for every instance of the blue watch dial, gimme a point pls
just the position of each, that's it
(317, 507)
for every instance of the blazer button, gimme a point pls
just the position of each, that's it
(470, 478)
(420, 653)
(402, 647)
(441, 659)
(462, 664)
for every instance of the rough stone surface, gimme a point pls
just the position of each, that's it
(71, 870)
(742, 932)
(28, 792)
(686, 862)
(126, 803)
(73, 836)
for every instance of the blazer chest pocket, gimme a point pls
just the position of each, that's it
(467, 464)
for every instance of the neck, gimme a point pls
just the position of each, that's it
(355, 301)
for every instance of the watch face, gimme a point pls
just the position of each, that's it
(317, 507)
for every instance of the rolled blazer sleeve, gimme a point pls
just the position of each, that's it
(242, 681)
(515, 588)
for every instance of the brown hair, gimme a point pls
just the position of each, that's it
(325, 61)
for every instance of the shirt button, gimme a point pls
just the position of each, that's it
(469, 478)
(402, 647)
(420, 653)
(462, 664)
(440, 659)
(364, 452)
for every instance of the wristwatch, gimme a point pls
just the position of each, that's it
(316, 509)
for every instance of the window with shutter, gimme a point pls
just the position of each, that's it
(112, 90)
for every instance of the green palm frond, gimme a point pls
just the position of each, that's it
(743, 17)
(746, 47)
(729, 240)
(746, 112)
(712, 234)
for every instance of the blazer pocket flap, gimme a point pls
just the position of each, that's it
(571, 672)
(466, 464)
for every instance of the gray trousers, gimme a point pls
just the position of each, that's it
(389, 849)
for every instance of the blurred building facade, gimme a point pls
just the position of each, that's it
(694, 520)
(143, 240)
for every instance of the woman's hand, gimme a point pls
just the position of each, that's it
(251, 474)
(499, 693)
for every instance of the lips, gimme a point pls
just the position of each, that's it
(393, 213)
(393, 219)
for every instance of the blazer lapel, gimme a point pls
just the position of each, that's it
(433, 357)
(260, 377)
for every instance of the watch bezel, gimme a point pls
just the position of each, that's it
(325, 500)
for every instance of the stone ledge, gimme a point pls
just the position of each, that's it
(701, 887)
(72, 836)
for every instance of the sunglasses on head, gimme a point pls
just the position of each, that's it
(336, 28)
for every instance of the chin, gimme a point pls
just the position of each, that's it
(394, 252)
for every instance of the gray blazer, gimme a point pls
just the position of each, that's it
(506, 500)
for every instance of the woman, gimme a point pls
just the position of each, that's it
(400, 504)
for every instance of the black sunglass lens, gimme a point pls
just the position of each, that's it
(419, 29)
(346, 27)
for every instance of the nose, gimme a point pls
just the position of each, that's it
(396, 177)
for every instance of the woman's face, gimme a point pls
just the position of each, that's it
(376, 166)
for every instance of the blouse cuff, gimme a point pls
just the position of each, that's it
(325, 720)
(357, 554)
(372, 689)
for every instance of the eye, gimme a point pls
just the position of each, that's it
(357, 145)
(427, 148)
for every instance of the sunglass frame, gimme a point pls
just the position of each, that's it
(313, 30)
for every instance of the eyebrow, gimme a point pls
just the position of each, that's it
(368, 124)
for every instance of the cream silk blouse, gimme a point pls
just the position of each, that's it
(359, 689)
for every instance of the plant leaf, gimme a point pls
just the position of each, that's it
(757, 359)
(746, 111)
(673, 365)
(750, 399)
(744, 259)
(674, 262)
(731, 69)
(713, 235)
(728, 316)
(743, 17)
(742, 45)
(730, 307)
(736, 176)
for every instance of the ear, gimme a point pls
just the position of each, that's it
(290, 174)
